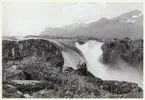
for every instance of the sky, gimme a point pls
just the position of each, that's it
(20, 19)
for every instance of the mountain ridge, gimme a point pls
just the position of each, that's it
(124, 25)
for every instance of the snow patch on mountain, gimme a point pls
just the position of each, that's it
(130, 21)
(91, 21)
(133, 18)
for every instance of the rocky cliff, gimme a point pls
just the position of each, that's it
(33, 68)
(123, 49)
(18, 50)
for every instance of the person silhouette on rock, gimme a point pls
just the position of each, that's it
(79, 65)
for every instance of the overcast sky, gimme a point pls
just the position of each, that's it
(32, 18)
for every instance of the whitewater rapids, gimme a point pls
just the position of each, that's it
(92, 53)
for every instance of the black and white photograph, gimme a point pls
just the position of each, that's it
(72, 49)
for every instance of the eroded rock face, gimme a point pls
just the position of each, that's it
(129, 51)
(18, 50)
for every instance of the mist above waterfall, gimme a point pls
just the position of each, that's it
(92, 53)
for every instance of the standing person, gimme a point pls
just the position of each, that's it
(84, 65)
(79, 65)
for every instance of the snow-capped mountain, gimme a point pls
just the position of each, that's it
(129, 25)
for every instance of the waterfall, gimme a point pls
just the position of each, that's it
(92, 53)
(72, 56)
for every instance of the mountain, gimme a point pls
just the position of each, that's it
(128, 15)
(129, 25)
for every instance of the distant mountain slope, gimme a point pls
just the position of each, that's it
(126, 25)
(128, 15)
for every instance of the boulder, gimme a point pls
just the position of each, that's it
(30, 85)
(10, 91)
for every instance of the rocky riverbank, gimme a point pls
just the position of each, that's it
(33, 68)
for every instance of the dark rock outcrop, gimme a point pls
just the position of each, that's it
(18, 50)
(125, 49)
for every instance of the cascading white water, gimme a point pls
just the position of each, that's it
(71, 57)
(92, 52)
